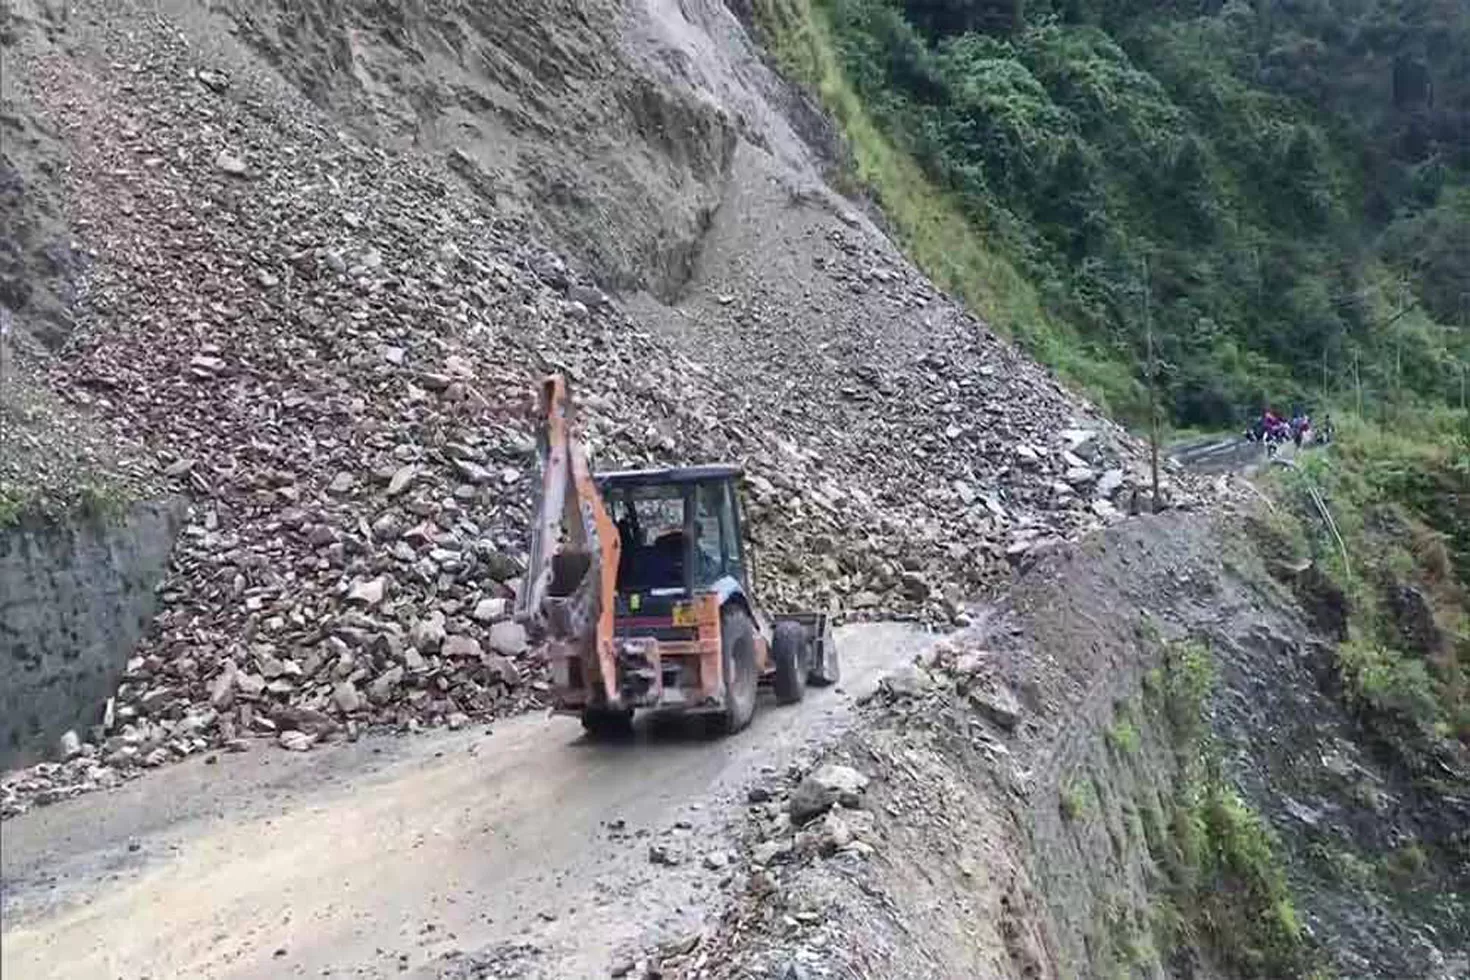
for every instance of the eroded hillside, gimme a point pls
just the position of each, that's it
(322, 326)
(294, 270)
(1137, 763)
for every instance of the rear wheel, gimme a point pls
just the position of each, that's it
(737, 658)
(789, 655)
(824, 669)
(608, 723)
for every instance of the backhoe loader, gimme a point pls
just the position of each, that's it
(639, 592)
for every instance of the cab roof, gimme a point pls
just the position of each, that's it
(707, 473)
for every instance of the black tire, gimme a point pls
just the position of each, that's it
(790, 655)
(608, 724)
(824, 669)
(737, 657)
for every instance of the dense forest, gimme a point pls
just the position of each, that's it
(1277, 194)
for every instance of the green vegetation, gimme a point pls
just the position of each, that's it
(1226, 891)
(1122, 736)
(102, 501)
(926, 218)
(1399, 496)
(1283, 187)
(12, 507)
(1240, 897)
(1406, 863)
(1344, 865)
(1275, 196)
(1074, 802)
(1188, 676)
(1127, 933)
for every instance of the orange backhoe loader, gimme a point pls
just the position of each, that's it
(639, 589)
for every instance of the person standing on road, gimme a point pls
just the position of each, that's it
(1301, 428)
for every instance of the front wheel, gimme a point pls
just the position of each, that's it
(737, 660)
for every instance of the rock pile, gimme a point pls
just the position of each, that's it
(331, 348)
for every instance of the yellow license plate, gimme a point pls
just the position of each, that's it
(684, 615)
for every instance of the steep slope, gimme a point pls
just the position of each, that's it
(1281, 186)
(1137, 763)
(328, 336)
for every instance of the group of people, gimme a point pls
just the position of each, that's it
(1274, 430)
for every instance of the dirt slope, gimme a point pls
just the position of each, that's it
(306, 309)
(1024, 777)
(523, 844)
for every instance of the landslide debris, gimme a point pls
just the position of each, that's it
(331, 347)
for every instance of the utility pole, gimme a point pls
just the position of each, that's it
(1398, 367)
(1153, 398)
(1358, 382)
(1464, 307)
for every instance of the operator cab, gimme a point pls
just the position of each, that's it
(680, 532)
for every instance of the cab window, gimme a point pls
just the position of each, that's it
(730, 533)
(709, 532)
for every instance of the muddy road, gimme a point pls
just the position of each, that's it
(525, 848)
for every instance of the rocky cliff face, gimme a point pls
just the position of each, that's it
(76, 599)
(542, 109)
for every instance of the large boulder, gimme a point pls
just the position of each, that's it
(996, 702)
(825, 786)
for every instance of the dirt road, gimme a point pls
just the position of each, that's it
(525, 849)
(1218, 454)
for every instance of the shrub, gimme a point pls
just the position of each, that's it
(1073, 801)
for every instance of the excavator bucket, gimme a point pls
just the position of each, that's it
(573, 561)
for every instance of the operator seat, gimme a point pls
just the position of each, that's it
(663, 563)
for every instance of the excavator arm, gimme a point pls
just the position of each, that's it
(567, 600)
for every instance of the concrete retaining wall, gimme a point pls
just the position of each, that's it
(74, 600)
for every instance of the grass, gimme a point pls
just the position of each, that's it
(1188, 678)
(101, 502)
(12, 507)
(1074, 802)
(1227, 888)
(1398, 496)
(1122, 736)
(1383, 681)
(1405, 864)
(1249, 897)
(1344, 866)
(1127, 933)
(927, 221)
